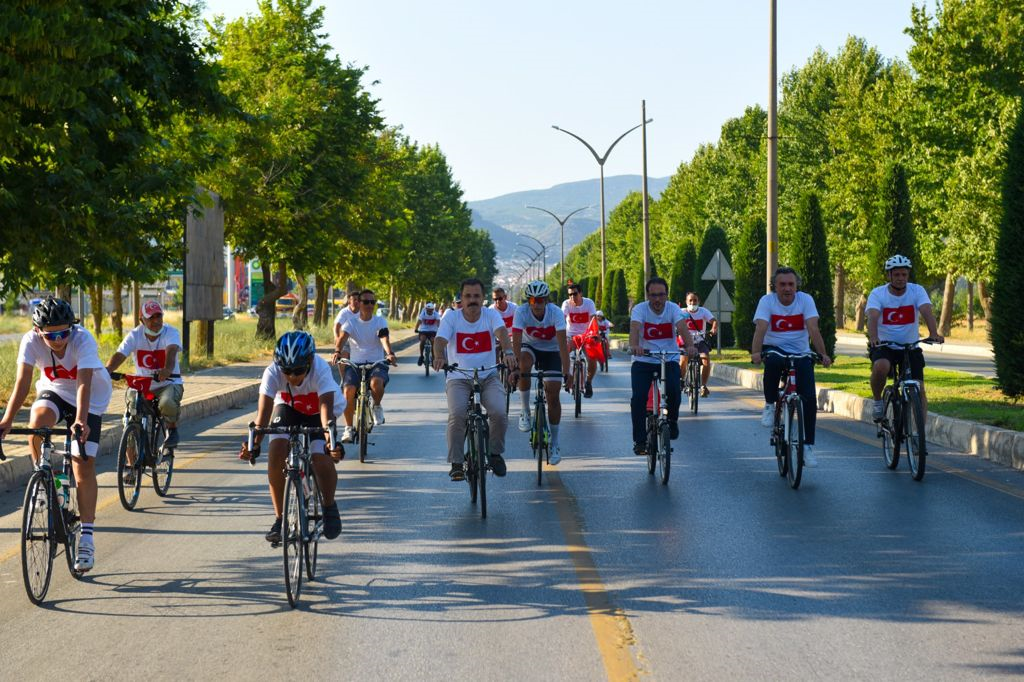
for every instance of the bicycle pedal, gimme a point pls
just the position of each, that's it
(275, 545)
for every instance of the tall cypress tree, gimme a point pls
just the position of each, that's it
(749, 265)
(620, 300)
(1008, 279)
(892, 231)
(683, 276)
(606, 294)
(811, 262)
(714, 239)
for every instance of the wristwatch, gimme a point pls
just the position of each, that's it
(509, 353)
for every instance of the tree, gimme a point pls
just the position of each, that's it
(810, 260)
(1008, 282)
(749, 262)
(715, 239)
(620, 300)
(893, 230)
(683, 276)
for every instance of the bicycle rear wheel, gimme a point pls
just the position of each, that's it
(314, 524)
(481, 465)
(129, 473)
(652, 444)
(363, 415)
(664, 452)
(794, 442)
(577, 389)
(72, 529)
(38, 545)
(914, 420)
(470, 464)
(428, 357)
(889, 430)
(292, 527)
(163, 460)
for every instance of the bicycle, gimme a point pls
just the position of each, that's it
(540, 434)
(363, 416)
(509, 380)
(787, 436)
(141, 441)
(578, 374)
(607, 353)
(899, 425)
(427, 355)
(691, 381)
(476, 455)
(49, 513)
(302, 515)
(659, 440)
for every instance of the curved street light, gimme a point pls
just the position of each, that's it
(561, 227)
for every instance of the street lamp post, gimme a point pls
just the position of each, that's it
(772, 246)
(561, 227)
(543, 251)
(536, 255)
(600, 162)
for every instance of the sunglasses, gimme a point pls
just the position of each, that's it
(368, 301)
(656, 295)
(57, 336)
(294, 371)
(499, 298)
(538, 299)
(155, 315)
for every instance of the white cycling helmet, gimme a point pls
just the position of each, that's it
(429, 306)
(599, 313)
(897, 261)
(537, 289)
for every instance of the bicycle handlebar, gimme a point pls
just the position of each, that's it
(469, 372)
(796, 356)
(900, 346)
(124, 375)
(46, 432)
(361, 365)
(288, 431)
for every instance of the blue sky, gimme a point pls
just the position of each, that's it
(486, 80)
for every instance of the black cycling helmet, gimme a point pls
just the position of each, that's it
(52, 312)
(294, 351)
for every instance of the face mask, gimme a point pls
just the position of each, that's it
(692, 307)
(150, 332)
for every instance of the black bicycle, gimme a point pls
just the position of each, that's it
(903, 422)
(49, 515)
(659, 439)
(578, 377)
(691, 381)
(540, 433)
(427, 355)
(476, 454)
(363, 417)
(142, 442)
(788, 426)
(302, 512)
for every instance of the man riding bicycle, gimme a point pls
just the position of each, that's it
(539, 341)
(785, 321)
(298, 389)
(73, 384)
(368, 337)
(350, 310)
(893, 310)
(653, 326)
(578, 311)
(426, 327)
(155, 346)
(702, 325)
(466, 338)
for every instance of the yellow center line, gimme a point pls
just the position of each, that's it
(614, 635)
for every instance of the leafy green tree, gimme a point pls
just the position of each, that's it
(620, 300)
(749, 261)
(683, 277)
(810, 260)
(1008, 284)
(893, 230)
(714, 239)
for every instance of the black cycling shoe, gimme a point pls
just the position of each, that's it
(419, 361)
(673, 430)
(332, 521)
(457, 474)
(498, 465)
(588, 390)
(172, 438)
(639, 449)
(274, 534)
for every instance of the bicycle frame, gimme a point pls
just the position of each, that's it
(659, 446)
(789, 402)
(477, 452)
(363, 417)
(897, 430)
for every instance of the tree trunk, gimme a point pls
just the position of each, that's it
(265, 307)
(946, 320)
(320, 302)
(118, 311)
(840, 296)
(300, 317)
(64, 292)
(984, 298)
(859, 319)
(96, 303)
(136, 302)
(202, 338)
(970, 306)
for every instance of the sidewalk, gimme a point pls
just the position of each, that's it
(207, 392)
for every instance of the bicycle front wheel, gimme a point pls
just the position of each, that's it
(293, 526)
(694, 386)
(428, 358)
(470, 465)
(363, 415)
(130, 465)
(914, 420)
(794, 442)
(652, 444)
(481, 465)
(577, 392)
(540, 445)
(889, 430)
(314, 524)
(664, 452)
(163, 461)
(38, 545)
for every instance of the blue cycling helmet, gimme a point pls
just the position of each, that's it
(294, 351)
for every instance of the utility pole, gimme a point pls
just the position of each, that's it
(647, 215)
(772, 251)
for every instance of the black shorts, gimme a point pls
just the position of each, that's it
(427, 334)
(895, 358)
(66, 412)
(546, 361)
(286, 415)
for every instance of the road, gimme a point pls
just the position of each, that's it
(602, 572)
(937, 357)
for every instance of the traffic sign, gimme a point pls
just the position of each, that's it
(718, 267)
(718, 300)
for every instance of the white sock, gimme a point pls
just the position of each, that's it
(554, 435)
(525, 397)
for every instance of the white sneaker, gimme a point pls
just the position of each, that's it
(809, 459)
(877, 410)
(554, 455)
(524, 422)
(768, 416)
(348, 434)
(86, 558)
(378, 415)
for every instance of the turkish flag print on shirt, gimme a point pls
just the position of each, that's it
(477, 342)
(543, 333)
(902, 315)
(306, 403)
(654, 332)
(579, 318)
(694, 325)
(787, 323)
(151, 359)
(60, 372)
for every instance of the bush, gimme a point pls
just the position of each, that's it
(749, 265)
(683, 276)
(1008, 278)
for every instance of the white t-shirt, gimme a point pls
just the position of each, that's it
(343, 316)
(150, 355)
(657, 332)
(508, 315)
(364, 338)
(787, 329)
(540, 334)
(305, 397)
(699, 323)
(897, 319)
(470, 345)
(604, 325)
(578, 316)
(60, 375)
(428, 322)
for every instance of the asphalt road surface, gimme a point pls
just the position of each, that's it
(725, 573)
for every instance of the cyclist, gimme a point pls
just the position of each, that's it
(604, 328)
(654, 325)
(697, 319)
(466, 338)
(426, 327)
(368, 337)
(73, 384)
(298, 389)
(538, 339)
(893, 310)
(156, 346)
(505, 307)
(578, 310)
(456, 305)
(785, 320)
(351, 310)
